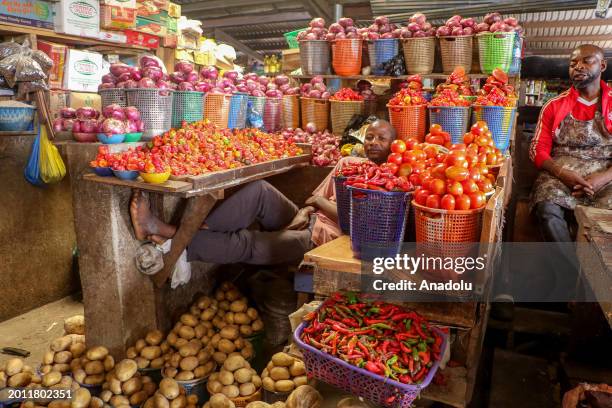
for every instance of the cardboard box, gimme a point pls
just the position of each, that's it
(149, 11)
(171, 24)
(150, 27)
(113, 36)
(184, 55)
(57, 53)
(119, 3)
(83, 72)
(174, 10)
(204, 58)
(117, 18)
(187, 41)
(142, 39)
(78, 100)
(170, 40)
(57, 100)
(153, 4)
(78, 17)
(32, 13)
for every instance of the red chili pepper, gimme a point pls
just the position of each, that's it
(405, 378)
(375, 187)
(420, 374)
(384, 346)
(424, 357)
(363, 348)
(402, 316)
(405, 348)
(373, 367)
(341, 330)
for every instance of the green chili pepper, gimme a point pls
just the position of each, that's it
(392, 360)
(398, 369)
(408, 324)
(415, 354)
(412, 342)
(381, 326)
(351, 297)
(430, 340)
(374, 310)
(422, 346)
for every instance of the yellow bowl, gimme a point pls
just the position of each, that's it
(155, 178)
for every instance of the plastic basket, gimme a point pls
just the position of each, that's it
(315, 111)
(453, 119)
(155, 109)
(187, 106)
(456, 52)
(419, 54)
(155, 374)
(291, 38)
(500, 120)
(495, 51)
(113, 95)
(381, 51)
(197, 387)
(408, 121)
(315, 56)
(273, 115)
(255, 107)
(238, 111)
(216, 109)
(346, 56)
(343, 203)
(360, 382)
(342, 112)
(515, 65)
(271, 397)
(378, 220)
(291, 111)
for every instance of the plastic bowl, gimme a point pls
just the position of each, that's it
(132, 137)
(85, 137)
(114, 139)
(16, 119)
(103, 171)
(126, 174)
(155, 178)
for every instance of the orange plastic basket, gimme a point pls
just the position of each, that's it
(216, 109)
(346, 56)
(442, 226)
(342, 112)
(291, 111)
(408, 121)
(315, 111)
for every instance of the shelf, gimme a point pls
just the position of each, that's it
(401, 77)
(17, 133)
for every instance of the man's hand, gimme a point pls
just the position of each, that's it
(313, 201)
(597, 181)
(301, 219)
(573, 180)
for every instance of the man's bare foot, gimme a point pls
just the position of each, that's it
(143, 221)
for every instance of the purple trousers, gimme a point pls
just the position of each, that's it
(227, 239)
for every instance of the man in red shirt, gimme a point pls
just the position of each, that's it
(573, 146)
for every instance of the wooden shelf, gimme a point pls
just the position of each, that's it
(397, 78)
(18, 133)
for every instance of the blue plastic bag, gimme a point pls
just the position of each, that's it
(255, 118)
(32, 169)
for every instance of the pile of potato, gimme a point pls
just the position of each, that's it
(92, 366)
(303, 396)
(62, 351)
(14, 373)
(284, 373)
(235, 379)
(75, 325)
(125, 386)
(233, 308)
(171, 395)
(81, 398)
(229, 342)
(148, 352)
(219, 401)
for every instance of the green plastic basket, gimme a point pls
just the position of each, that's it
(291, 38)
(187, 106)
(495, 51)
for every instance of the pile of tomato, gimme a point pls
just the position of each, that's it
(408, 97)
(368, 175)
(448, 97)
(438, 136)
(346, 94)
(496, 91)
(457, 81)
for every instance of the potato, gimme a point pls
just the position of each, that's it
(204, 302)
(62, 357)
(106, 395)
(189, 320)
(256, 380)
(96, 379)
(47, 358)
(171, 339)
(142, 362)
(215, 387)
(230, 391)
(257, 325)
(179, 402)
(77, 349)
(297, 368)
(226, 377)
(234, 363)
(220, 401)
(175, 360)
(200, 331)
(246, 330)
(76, 338)
(157, 363)
(96, 403)
(247, 352)
(117, 400)
(180, 342)
(164, 346)
(186, 332)
(159, 401)
(226, 346)
(52, 378)
(151, 352)
(59, 404)
(149, 388)
(19, 380)
(131, 353)
(265, 373)
(109, 363)
(224, 305)
(189, 363)
(79, 375)
(131, 386)
(149, 403)
(252, 313)
(239, 305)
(75, 325)
(241, 318)
(170, 372)
(229, 332)
(279, 373)
(169, 388)
(229, 317)
(61, 343)
(247, 389)
(138, 398)
(154, 337)
(240, 343)
(284, 385)
(97, 353)
(125, 369)
(81, 398)
(208, 314)
(219, 357)
(300, 380)
(243, 375)
(204, 355)
(62, 368)
(185, 376)
(13, 366)
(189, 349)
(268, 384)
(94, 367)
(282, 360)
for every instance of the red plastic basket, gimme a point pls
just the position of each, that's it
(346, 56)
(435, 225)
(408, 121)
(217, 109)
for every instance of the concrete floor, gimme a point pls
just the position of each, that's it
(34, 330)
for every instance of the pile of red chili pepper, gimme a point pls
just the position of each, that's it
(370, 176)
(380, 337)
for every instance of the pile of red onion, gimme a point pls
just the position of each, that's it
(325, 146)
(494, 22)
(344, 28)
(418, 27)
(149, 75)
(315, 89)
(457, 25)
(186, 78)
(250, 84)
(381, 28)
(82, 120)
(316, 31)
(118, 120)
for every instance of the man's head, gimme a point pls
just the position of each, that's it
(378, 138)
(587, 62)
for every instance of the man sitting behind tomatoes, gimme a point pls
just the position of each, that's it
(286, 232)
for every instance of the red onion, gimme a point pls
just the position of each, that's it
(177, 77)
(263, 80)
(310, 127)
(108, 110)
(68, 124)
(106, 86)
(203, 86)
(232, 75)
(418, 18)
(75, 126)
(130, 127)
(113, 127)
(131, 113)
(191, 77)
(119, 68)
(317, 23)
(88, 125)
(86, 112)
(108, 79)
(58, 125)
(281, 80)
(154, 73)
(146, 83)
(149, 61)
(183, 66)
(135, 73)
(68, 113)
(186, 86)
(130, 84)
(141, 126)
(345, 22)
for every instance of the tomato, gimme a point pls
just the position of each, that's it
(447, 137)
(482, 141)
(431, 162)
(457, 173)
(447, 202)
(482, 168)
(421, 196)
(458, 146)
(424, 180)
(500, 75)
(433, 201)
(491, 159)
(455, 188)
(418, 167)
(410, 143)
(468, 138)
(435, 129)
(477, 130)
(435, 139)
(462, 202)
(419, 154)
(488, 134)
(475, 174)
(431, 152)
(440, 157)
(492, 178)
(439, 171)
(398, 146)
(395, 158)
(415, 179)
(469, 186)
(477, 200)
(408, 156)
(391, 167)
(404, 170)
(456, 158)
(471, 159)
(437, 186)
(485, 185)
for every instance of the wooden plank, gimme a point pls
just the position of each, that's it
(453, 392)
(18, 133)
(335, 256)
(169, 187)
(400, 77)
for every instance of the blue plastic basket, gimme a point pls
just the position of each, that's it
(453, 119)
(343, 202)
(238, 111)
(381, 51)
(500, 120)
(515, 65)
(378, 220)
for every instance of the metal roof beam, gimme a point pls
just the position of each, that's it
(315, 9)
(565, 38)
(223, 37)
(567, 23)
(217, 4)
(252, 19)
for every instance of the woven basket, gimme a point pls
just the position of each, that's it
(456, 52)
(315, 111)
(291, 111)
(419, 54)
(495, 51)
(216, 109)
(370, 107)
(155, 109)
(342, 112)
(408, 121)
(315, 56)
(346, 56)
(113, 95)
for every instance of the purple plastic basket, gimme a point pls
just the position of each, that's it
(358, 381)
(343, 202)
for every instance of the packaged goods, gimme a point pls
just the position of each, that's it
(141, 39)
(57, 53)
(150, 27)
(32, 13)
(174, 10)
(78, 17)
(113, 36)
(119, 3)
(117, 18)
(78, 100)
(83, 71)
(170, 40)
